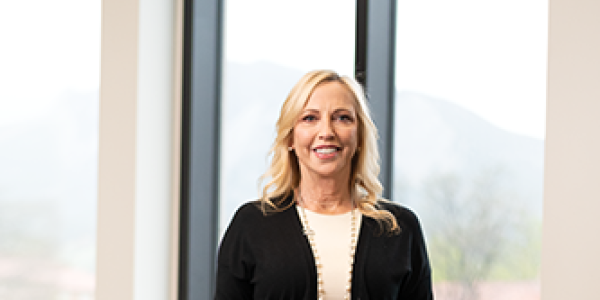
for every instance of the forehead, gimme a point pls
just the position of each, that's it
(332, 95)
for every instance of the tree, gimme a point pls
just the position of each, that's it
(469, 222)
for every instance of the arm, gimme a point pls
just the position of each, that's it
(231, 286)
(419, 283)
(235, 263)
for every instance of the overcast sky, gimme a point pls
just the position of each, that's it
(48, 47)
(487, 56)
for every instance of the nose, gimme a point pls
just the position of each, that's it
(326, 130)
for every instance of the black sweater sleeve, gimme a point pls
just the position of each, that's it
(235, 262)
(418, 285)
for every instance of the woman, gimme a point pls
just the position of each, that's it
(320, 229)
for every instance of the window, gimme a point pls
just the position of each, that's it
(469, 140)
(269, 45)
(48, 148)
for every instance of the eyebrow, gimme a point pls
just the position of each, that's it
(338, 110)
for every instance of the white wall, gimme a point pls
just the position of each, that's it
(571, 240)
(138, 159)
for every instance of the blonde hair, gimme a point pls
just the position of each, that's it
(284, 171)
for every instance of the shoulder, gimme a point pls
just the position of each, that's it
(405, 217)
(252, 213)
(249, 208)
(243, 223)
(247, 212)
(252, 227)
(396, 209)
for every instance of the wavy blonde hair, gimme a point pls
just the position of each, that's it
(283, 174)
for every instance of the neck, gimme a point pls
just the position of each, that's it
(325, 196)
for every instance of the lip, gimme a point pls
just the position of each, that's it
(327, 146)
(326, 156)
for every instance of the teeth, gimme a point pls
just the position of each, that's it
(325, 150)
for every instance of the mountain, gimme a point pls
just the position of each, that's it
(48, 180)
(252, 97)
(434, 137)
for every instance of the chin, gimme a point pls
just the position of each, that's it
(331, 173)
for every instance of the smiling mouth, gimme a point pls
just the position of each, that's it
(326, 150)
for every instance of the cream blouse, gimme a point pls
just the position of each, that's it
(332, 240)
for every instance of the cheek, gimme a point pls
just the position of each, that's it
(351, 137)
(302, 137)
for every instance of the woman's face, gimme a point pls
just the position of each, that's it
(325, 136)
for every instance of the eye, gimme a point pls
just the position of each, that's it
(309, 118)
(345, 118)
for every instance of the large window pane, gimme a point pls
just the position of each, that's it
(469, 134)
(269, 45)
(48, 148)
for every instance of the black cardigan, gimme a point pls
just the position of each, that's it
(268, 257)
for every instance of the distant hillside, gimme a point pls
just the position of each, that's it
(48, 181)
(434, 136)
(252, 97)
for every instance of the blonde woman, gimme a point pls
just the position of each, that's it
(320, 229)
